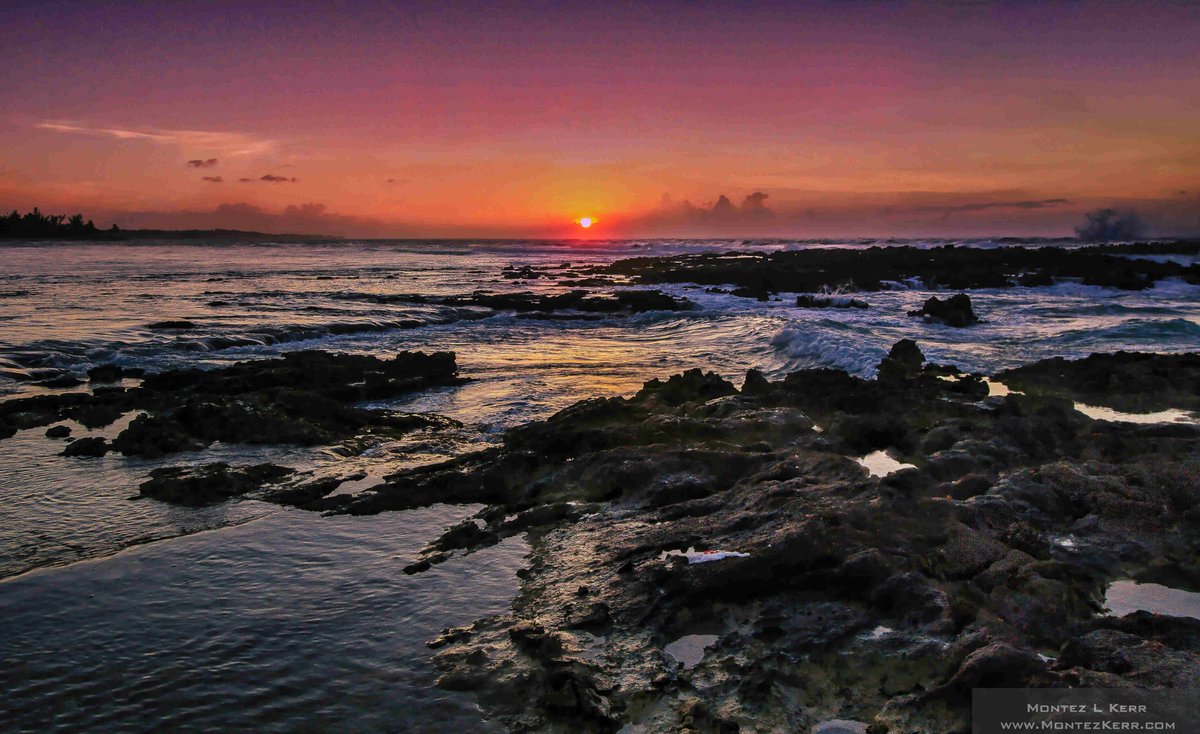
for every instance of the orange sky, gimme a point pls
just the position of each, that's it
(445, 120)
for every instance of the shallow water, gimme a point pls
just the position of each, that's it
(1125, 597)
(840, 726)
(1172, 415)
(689, 650)
(881, 464)
(289, 622)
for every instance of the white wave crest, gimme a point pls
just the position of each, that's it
(807, 345)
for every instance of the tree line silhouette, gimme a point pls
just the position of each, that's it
(57, 226)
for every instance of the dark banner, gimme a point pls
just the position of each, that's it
(997, 710)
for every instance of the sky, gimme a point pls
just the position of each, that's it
(672, 119)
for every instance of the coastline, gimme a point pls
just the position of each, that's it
(930, 580)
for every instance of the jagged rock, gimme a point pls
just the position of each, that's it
(954, 311)
(691, 386)
(755, 383)
(903, 362)
(58, 432)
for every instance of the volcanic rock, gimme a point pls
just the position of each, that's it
(954, 311)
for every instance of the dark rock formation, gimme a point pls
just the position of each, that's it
(617, 301)
(113, 373)
(884, 600)
(807, 301)
(1125, 380)
(302, 398)
(58, 432)
(63, 380)
(809, 270)
(90, 446)
(954, 311)
(903, 362)
(172, 325)
(312, 494)
(208, 483)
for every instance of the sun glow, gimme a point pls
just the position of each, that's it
(586, 222)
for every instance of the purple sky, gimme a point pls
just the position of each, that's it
(437, 119)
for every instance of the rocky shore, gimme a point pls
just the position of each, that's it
(744, 520)
(877, 599)
(763, 556)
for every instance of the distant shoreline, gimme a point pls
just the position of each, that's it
(178, 234)
(1160, 245)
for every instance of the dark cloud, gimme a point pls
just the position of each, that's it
(985, 205)
(754, 204)
(203, 163)
(723, 210)
(213, 179)
(818, 213)
(269, 178)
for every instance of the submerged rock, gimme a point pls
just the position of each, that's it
(172, 325)
(208, 484)
(89, 446)
(313, 494)
(64, 380)
(807, 301)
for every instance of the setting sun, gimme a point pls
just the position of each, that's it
(586, 222)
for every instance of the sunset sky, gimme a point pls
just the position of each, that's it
(513, 120)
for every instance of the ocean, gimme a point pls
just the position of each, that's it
(139, 616)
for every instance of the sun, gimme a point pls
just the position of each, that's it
(586, 222)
